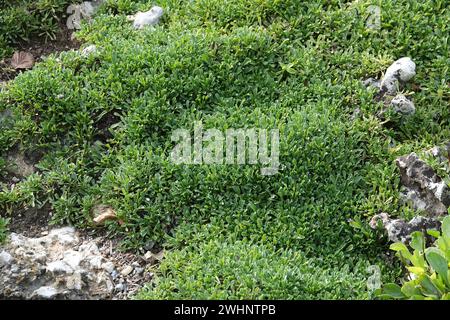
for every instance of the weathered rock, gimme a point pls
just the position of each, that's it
(5, 259)
(423, 188)
(56, 266)
(45, 292)
(403, 105)
(402, 70)
(108, 266)
(148, 18)
(442, 154)
(400, 230)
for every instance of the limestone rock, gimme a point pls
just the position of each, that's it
(399, 230)
(423, 188)
(402, 70)
(402, 105)
(56, 266)
(5, 259)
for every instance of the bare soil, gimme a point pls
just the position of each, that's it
(40, 48)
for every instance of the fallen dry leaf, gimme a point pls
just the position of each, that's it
(103, 213)
(22, 60)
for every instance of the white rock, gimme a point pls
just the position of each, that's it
(148, 18)
(16, 240)
(5, 259)
(59, 266)
(402, 105)
(404, 69)
(96, 262)
(72, 270)
(74, 282)
(45, 292)
(148, 255)
(73, 258)
(66, 235)
(89, 249)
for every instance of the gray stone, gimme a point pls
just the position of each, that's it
(139, 271)
(5, 259)
(398, 230)
(422, 187)
(108, 267)
(119, 287)
(402, 105)
(402, 70)
(45, 292)
(59, 264)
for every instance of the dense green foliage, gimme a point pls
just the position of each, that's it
(428, 267)
(103, 125)
(218, 270)
(3, 229)
(22, 20)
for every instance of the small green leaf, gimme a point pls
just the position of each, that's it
(438, 262)
(428, 287)
(410, 289)
(446, 296)
(417, 241)
(434, 233)
(416, 270)
(394, 291)
(446, 227)
(401, 248)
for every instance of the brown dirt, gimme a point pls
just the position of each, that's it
(110, 248)
(39, 48)
(31, 222)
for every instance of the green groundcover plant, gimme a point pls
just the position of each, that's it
(3, 229)
(99, 127)
(428, 267)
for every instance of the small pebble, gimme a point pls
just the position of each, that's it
(127, 270)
